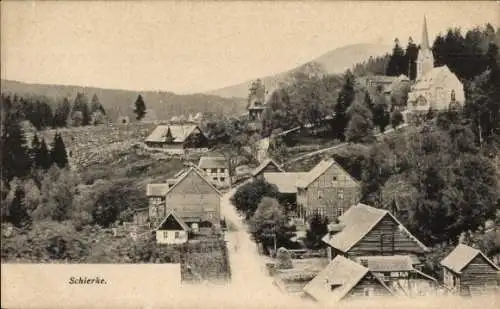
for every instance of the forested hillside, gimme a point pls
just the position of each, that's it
(117, 102)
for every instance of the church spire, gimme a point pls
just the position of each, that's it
(425, 36)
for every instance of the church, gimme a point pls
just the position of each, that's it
(435, 88)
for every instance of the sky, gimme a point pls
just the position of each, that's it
(188, 47)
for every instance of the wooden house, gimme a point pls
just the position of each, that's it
(156, 197)
(177, 138)
(344, 279)
(192, 197)
(468, 271)
(267, 166)
(368, 231)
(172, 230)
(327, 189)
(216, 169)
(400, 273)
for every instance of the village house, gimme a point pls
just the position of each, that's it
(176, 139)
(172, 230)
(344, 279)
(327, 190)
(384, 84)
(216, 169)
(435, 88)
(267, 166)
(368, 231)
(191, 196)
(401, 274)
(468, 271)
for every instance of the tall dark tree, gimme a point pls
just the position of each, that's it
(62, 114)
(397, 64)
(58, 153)
(345, 99)
(96, 105)
(16, 161)
(411, 55)
(34, 151)
(17, 213)
(140, 108)
(81, 107)
(43, 158)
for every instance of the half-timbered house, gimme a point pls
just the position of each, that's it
(368, 231)
(327, 189)
(468, 271)
(267, 166)
(344, 279)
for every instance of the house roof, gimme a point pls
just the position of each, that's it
(387, 263)
(156, 189)
(319, 170)
(212, 162)
(193, 169)
(359, 220)
(286, 182)
(184, 226)
(179, 133)
(264, 164)
(342, 272)
(461, 256)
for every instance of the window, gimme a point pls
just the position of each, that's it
(177, 235)
(165, 234)
(214, 178)
(320, 194)
(222, 179)
(339, 212)
(214, 170)
(222, 170)
(334, 178)
(321, 211)
(341, 194)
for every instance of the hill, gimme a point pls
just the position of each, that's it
(163, 105)
(332, 62)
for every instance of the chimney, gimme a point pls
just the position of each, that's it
(335, 228)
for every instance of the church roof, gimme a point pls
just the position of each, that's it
(425, 36)
(434, 76)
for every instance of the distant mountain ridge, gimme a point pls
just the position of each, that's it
(332, 62)
(163, 104)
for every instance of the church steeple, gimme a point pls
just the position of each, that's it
(425, 59)
(425, 36)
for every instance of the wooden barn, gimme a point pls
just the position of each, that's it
(401, 274)
(468, 271)
(267, 166)
(177, 138)
(344, 279)
(368, 231)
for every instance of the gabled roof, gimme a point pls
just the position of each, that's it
(156, 189)
(212, 162)
(319, 170)
(264, 164)
(342, 272)
(461, 256)
(359, 220)
(179, 133)
(387, 263)
(183, 225)
(193, 169)
(284, 181)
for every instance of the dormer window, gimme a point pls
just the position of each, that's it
(335, 286)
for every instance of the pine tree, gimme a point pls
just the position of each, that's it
(360, 126)
(81, 105)
(35, 151)
(397, 64)
(140, 108)
(58, 153)
(16, 161)
(96, 106)
(62, 113)
(411, 55)
(345, 98)
(44, 157)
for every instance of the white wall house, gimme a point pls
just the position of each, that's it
(172, 230)
(216, 170)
